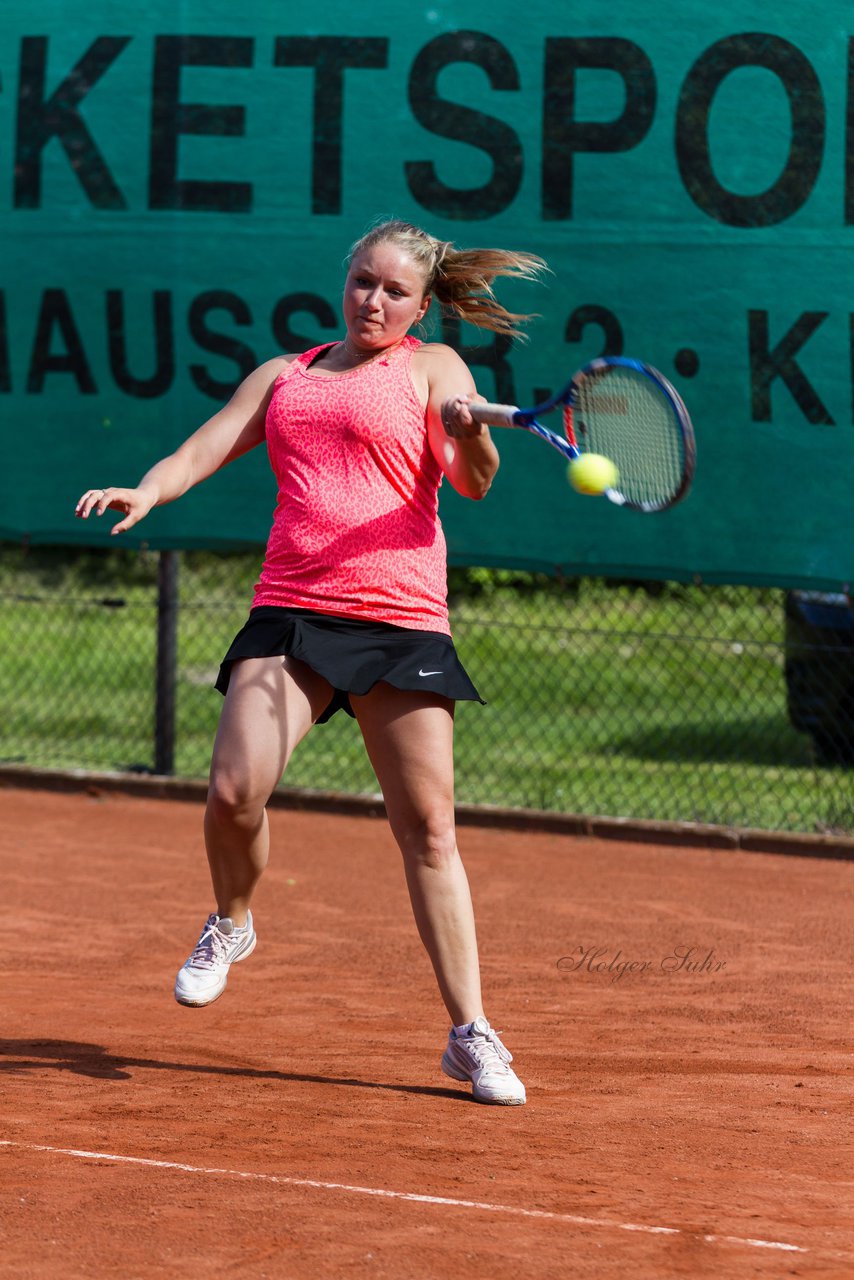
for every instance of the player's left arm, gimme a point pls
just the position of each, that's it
(463, 448)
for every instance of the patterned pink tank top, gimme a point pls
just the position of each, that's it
(356, 530)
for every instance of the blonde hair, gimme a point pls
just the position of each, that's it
(460, 279)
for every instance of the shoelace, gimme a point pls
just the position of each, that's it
(211, 948)
(488, 1050)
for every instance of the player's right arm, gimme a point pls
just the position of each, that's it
(233, 431)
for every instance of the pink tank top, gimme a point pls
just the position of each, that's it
(356, 530)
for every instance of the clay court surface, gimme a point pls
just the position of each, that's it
(679, 1123)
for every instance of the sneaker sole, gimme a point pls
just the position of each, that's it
(499, 1102)
(200, 1002)
(197, 1004)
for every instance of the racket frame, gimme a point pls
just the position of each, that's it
(503, 415)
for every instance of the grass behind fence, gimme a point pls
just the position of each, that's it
(665, 703)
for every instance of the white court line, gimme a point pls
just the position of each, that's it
(514, 1210)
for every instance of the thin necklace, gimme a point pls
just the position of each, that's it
(375, 355)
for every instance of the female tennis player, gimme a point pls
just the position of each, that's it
(350, 611)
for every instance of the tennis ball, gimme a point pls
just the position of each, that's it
(592, 473)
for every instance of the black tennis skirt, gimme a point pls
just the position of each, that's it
(352, 654)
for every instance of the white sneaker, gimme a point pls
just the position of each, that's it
(203, 977)
(480, 1056)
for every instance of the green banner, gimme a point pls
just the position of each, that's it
(181, 184)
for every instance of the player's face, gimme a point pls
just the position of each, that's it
(383, 297)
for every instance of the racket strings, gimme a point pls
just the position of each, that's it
(622, 414)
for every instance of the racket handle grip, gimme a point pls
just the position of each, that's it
(495, 415)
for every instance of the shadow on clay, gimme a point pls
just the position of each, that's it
(20, 1057)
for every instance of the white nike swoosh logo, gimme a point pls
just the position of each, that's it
(429, 673)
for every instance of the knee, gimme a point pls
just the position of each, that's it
(235, 800)
(431, 843)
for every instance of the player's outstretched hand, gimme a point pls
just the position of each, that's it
(134, 504)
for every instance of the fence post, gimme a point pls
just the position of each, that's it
(167, 661)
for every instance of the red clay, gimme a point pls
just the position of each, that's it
(714, 1102)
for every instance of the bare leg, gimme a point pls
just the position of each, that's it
(270, 706)
(409, 738)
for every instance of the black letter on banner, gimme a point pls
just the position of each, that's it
(161, 379)
(291, 305)
(218, 343)
(693, 156)
(58, 117)
(463, 124)
(563, 135)
(171, 117)
(55, 310)
(767, 365)
(330, 56)
(491, 355)
(612, 330)
(5, 366)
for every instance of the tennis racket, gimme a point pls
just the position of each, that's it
(627, 411)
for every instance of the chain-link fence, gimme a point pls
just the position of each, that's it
(723, 704)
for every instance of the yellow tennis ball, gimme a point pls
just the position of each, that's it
(592, 473)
